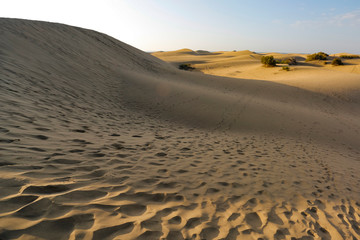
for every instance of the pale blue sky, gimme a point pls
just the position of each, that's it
(258, 25)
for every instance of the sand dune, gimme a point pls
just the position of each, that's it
(100, 140)
(246, 64)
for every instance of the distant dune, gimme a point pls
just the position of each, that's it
(246, 64)
(100, 140)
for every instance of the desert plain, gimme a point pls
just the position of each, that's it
(99, 140)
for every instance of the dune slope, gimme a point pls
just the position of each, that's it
(100, 140)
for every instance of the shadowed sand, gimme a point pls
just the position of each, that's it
(100, 140)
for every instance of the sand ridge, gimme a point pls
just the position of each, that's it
(102, 141)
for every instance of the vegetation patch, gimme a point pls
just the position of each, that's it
(349, 56)
(290, 61)
(337, 62)
(268, 61)
(186, 66)
(285, 68)
(317, 56)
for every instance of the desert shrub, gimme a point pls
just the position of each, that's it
(349, 56)
(290, 61)
(336, 62)
(285, 68)
(317, 56)
(268, 61)
(186, 66)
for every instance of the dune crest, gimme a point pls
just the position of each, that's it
(100, 140)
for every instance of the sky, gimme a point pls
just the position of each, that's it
(305, 26)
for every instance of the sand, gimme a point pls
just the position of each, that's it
(246, 64)
(100, 140)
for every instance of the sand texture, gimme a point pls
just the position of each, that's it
(99, 140)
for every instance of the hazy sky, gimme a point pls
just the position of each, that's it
(258, 25)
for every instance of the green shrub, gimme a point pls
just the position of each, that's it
(317, 56)
(285, 68)
(268, 61)
(186, 66)
(349, 56)
(336, 62)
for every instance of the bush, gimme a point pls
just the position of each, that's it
(285, 68)
(349, 56)
(317, 56)
(268, 61)
(186, 66)
(290, 61)
(336, 62)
